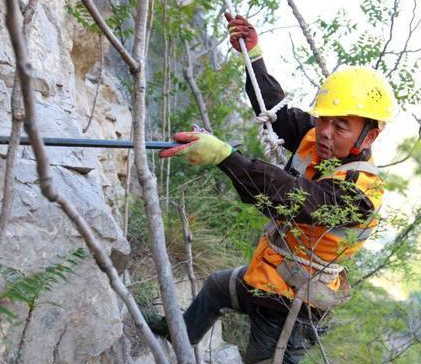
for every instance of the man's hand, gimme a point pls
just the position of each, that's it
(198, 148)
(239, 27)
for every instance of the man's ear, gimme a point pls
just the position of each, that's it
(370, 138)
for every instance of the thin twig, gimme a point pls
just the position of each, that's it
(300, 65)
(399, 241)
(17, 123)
(165, 90)
(271, 30)
(319, 59)
(127, 188)
(411, 152)
(392, 23)
(411, 32)
(92, 9)
(53, 195)
(316, 334)
(188, 74)
(150, 26)
(98, 85)
(188, 239)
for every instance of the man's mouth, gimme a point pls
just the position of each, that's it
(324, 148)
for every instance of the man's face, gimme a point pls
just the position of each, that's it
(336, 135)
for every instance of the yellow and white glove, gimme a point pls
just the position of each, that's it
(198, 148)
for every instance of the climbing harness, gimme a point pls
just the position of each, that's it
(272, 144)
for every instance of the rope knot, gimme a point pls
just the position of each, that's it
(266, 116)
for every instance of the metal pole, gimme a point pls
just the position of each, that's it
(92, 143)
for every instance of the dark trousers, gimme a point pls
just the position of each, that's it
(267, 316)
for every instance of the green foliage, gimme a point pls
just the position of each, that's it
(396, 183)
(121, 14)
(378, 11)
(412, 147)
(327, 167)
(82, 16)
(27, 289)
(367, 329)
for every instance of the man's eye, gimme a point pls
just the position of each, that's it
(340, 127)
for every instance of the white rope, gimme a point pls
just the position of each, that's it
(326, 272)
(272, 144)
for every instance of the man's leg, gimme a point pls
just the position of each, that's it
(208, 306)
(266, 327)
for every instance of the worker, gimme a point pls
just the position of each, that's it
(322, 206)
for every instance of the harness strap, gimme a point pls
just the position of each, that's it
(233, 289)
(327, 272)
(361, 166)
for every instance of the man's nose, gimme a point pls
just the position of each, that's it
(326, 128)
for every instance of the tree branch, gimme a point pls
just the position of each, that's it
(300, 65)
(128, 59)
(188, 238)
(399, 241)
(127, 188)
(411, 152)
(188, 74)
(150, 25)
(411, 30)
(173, 314)
(17, 123)
(392, 23)
(319, 59)
(281, 346)
(48, 189)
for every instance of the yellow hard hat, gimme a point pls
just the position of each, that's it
(356, 90)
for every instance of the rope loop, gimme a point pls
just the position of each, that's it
(266, 116)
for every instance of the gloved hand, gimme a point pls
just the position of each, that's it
(199, 148)
(239, 27)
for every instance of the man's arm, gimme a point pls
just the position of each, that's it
(255, 177)
(291, 124)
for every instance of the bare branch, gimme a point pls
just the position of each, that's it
(411, 152)
(188, 238)
(150, 25)
(300, 65)
(173, 314)
(53, 195)
(399, 241)
(406, 52)
(316, 334)
(282, 343)
(411, 32)
(127, 188)
(273, 29)
(392, 23)
(319, 59)
(188, 74)
(165, 91)
(214, 46)
(92, 9)
(17, 123)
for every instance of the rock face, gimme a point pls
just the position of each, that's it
(79, 321)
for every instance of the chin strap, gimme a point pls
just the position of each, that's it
(369, 124)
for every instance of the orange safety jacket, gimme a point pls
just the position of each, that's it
(330, 244)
